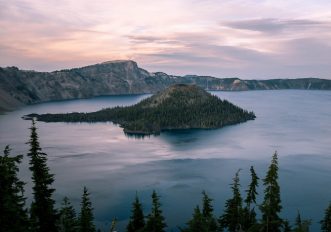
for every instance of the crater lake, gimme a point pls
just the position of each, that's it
(179, 165)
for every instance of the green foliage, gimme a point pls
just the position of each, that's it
(271, 205)
(233, 213)
(198, 109)
(286, 226)
(155, 220)
(202, 221)
(301, 225)
(43, 215)
(326, 222)
(208, 213)
(68, 221)
(137, 221)
(13, 215)
(86, 213)
(113, 225)
(249, 214)
(197, 223)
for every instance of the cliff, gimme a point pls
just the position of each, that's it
(20, 87)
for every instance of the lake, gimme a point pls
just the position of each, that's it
(180, 165)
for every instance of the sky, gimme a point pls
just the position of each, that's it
(252, 39)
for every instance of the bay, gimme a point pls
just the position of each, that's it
(179, 165)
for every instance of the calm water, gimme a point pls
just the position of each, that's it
(179, 165)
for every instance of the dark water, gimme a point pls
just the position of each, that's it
(179, 165)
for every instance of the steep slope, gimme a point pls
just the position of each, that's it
(178, 107)
(18, 87)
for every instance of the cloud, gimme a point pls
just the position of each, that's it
(270, 25)
(250, 39)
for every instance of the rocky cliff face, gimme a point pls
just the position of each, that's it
(19, 87)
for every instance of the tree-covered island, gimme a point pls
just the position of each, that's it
(177, 107)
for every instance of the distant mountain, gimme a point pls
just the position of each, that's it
(19, 87)
(177, 107)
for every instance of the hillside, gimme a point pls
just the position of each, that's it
(19, 87)
(177, 107)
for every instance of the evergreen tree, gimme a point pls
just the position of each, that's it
(207, 213)
(271, 205)
(13, 215)
(68, 221)
(113, 225)
(155, 220)
(326, 222)
(298, 222)
(249, 215)
(197, 223)
(202, 221)
(86, 214)
(301, 225)
(137, 221)
(232, 217)
(286, 226)
(43, 214)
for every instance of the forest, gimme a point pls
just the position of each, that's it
(178, 107)
(240, 210)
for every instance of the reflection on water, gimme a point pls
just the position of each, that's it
(180, 164)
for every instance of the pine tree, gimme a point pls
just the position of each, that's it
(86, 214)
(249, 213)
(13, 215)
(326, 222)
(298, 222)
(301, 225)
(286, 226)
(208, 213)
(197, 223)
(137, 221)
(155, 220)
(232, 217)
(68, 221)
(43, 214)
(271, 206)
(113, 225)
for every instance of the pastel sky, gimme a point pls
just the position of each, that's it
(248, 39)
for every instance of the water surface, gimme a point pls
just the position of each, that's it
(179, 165)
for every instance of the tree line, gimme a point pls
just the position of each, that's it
(240, 213)
(182, 110)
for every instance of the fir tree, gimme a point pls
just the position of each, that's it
(43, 214)
(113, 225)
(203, 221)
(232, 217)
(197, 223)
(298, 222)
(286, 226)
(271, 206)
(326, 222)
(68, 221)
(13, 215)
(86, 214)
(137, 221)
(207, 213)
(301, 225)
(249, 214)
(155, 220)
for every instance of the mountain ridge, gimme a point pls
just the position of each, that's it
(22, 87)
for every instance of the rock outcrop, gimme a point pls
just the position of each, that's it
(20, 87)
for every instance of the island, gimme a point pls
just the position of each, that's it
(179, 106)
